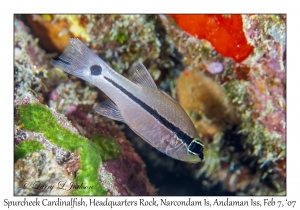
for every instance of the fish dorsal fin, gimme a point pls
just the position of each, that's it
(141, 76)
(168, 96)
(108, 109)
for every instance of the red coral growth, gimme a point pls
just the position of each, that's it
(242, 71)
(225, 33)
(72, 163)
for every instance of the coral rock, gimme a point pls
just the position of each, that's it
(39, 174)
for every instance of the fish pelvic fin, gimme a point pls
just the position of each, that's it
(109, 109)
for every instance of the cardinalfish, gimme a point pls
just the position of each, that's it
(149, 112)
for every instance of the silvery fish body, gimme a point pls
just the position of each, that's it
(148, 111)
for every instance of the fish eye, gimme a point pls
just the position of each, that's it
(196, 148)
(95, 70)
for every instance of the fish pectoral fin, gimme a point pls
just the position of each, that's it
(109, 109)
(141, 76)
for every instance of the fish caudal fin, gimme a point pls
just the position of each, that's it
(77, 59)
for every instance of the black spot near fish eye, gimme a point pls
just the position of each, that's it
(196, 148)
(96, 70)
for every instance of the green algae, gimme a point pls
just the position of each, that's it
(36, 117)
(121, 37)
(26, 148)
(107, 147)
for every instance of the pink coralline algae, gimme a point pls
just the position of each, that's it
(71, 109)
(267, 76)
(128, 172)
(54, 96)
(269, 99)
(214, 67)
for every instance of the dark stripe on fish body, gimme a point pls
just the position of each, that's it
(179, 133)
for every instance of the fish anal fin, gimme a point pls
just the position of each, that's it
(141, 76)
(108, 109)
